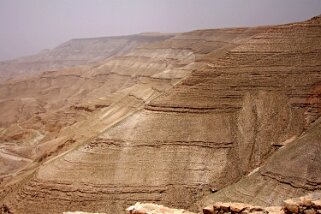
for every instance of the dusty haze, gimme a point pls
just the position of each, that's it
(28, 27)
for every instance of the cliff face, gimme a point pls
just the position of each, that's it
(74, 118)
(270, 84)
(292, 171)
(170, 122)
(295, 168)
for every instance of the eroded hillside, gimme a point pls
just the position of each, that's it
(169, 122)
(73, 53)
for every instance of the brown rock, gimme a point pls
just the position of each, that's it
(238, 207)
(274, 210)
(208, 210)
(217, 206)
(257, 209)
(244, 88)
(310, 211)
(291, 206)
(306, 201)
(225, 207)
(316, 204)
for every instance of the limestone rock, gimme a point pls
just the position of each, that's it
(305, 204)
(275, 210)
(308, 204)
(139, 208)
(292, 206)
(230, 207)
(208, 210)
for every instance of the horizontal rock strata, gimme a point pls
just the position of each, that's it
(73, 53)
(184, 117)
(292, 171)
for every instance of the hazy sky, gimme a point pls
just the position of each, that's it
(29, 26)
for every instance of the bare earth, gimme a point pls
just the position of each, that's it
(183, 120)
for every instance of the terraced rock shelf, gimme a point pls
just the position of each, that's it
(183, 120)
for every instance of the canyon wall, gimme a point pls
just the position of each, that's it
(183, 122)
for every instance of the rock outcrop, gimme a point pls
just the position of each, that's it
(131, 131)
(205, 116)
(241, 208)
(292, 171)
(306, 204)
(139, 208)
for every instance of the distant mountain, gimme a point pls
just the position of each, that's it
(75, 52)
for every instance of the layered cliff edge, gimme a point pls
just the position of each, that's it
(205, 116)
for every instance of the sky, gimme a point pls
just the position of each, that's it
(30, 26)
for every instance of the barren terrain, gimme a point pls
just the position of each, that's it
(184, 120)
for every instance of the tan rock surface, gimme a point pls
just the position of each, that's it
(292, 171)
(146, 72)
(73, 53)
(170, 122)
(34, 111)
(303, 204)
(147, 208)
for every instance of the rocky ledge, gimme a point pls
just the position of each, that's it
(309, 204)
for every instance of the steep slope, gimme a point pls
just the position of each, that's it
(233, 97)
(37, 109)
(107, 163)
(75, 52)
(279, 71)
(270, 84)
(291, 172)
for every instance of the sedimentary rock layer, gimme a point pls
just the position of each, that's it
(291, 172)
(75, 52)
(203, 110)
(294, 169)
(271, 82)
(54, 112)
(122, 178)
